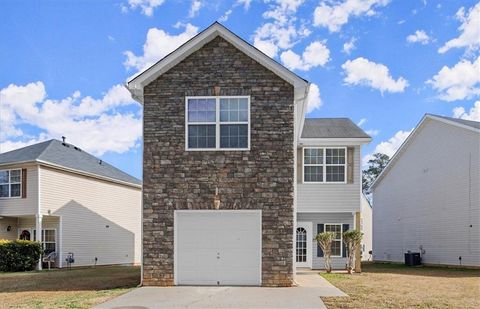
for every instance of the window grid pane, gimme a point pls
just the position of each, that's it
(313, 156)
(233, 110)
(4, 177)
(201, 110)
(233, 136)
(313, 173)
(201, 136)
(335, 173)
(337, 242)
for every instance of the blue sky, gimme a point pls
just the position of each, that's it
(382, 63)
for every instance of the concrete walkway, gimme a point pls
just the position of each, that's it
(306, 295)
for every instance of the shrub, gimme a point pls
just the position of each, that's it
(19, 255)
(324, 240)
(353, 240)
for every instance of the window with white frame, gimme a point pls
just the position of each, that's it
(218, 123)
(49, 240)
(324, 164)
(337, 240)
(10, 183)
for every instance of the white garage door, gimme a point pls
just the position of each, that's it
(218, 247)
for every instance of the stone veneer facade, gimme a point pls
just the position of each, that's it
(262, 178)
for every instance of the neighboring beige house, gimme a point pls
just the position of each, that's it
(427, 199)
(77, 202)
(366, 228)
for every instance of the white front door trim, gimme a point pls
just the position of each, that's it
(309, 238)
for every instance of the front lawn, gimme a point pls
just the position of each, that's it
(75, 288)
(398, 286)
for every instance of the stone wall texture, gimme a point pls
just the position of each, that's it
(262, 178)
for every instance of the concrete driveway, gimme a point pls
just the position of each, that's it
(306, 295)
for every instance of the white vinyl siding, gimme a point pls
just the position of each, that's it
(100, 219)
(430, 200)
(22, 206)
(329, 197)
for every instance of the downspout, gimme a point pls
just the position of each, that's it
(38, 215)
(295, 172)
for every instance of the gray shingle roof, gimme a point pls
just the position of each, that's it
(470, 123)
(66, 155)
(331, 128)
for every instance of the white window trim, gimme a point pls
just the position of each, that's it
(217, 123)
(324, 166)
(10, 183)
(33, 237)
(341, 237)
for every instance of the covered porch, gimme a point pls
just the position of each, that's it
(27, 227)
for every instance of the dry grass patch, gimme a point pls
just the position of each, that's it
(76, 288)
(398, 286)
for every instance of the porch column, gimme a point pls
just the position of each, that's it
(358, 253)
(38, 229)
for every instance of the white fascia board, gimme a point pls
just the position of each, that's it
(333, 141)
(136, 84)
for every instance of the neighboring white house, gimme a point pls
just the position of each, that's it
(427, 198)
(366, 228)
(78, 203)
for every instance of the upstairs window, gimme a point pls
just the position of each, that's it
(10, 183)
(218, 123)
(324, 165)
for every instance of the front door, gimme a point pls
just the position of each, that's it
(303, 254)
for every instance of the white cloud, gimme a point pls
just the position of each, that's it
(245, 3)
(349, 46)
(313, 100)
(361, 71)
(147, 6)
(420, 36)
(195, 8)
(92, 124)
(281, 32)
(388, 147)
(158, 44)
(333, 15)
(372, 132)
(472, 114)
(361, 122)
(469, 31)
(315, 54)
(462, 81)
(225, 16)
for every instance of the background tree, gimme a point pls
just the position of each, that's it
(375, 167)
(324, 240)
(352, 240)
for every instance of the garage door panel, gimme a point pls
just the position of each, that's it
(218, 247)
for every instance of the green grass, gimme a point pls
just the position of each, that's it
(382, 285)
(76, 288)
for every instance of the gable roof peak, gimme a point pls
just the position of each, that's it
(136, 84)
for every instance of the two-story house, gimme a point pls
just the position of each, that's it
(236, 180)
(79, 205)
(329, 188)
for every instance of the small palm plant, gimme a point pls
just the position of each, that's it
(324, 240)
(352, 240)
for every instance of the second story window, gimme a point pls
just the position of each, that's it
(324, 165)
(218, 123)
(10, 183)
